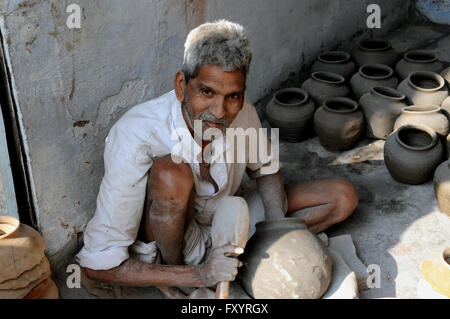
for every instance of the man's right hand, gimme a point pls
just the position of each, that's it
(219, 267)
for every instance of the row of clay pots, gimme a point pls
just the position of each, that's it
(24, 270)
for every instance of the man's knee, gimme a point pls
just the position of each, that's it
(170, 181)
(345, 197)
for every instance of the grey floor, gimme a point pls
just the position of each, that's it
(395, 226)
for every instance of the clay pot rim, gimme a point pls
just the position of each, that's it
(422, 109)
(385, 42)
(427, 74)
(285, 221)
(399, 95)
(291, 90)
(383, 67)
(420, 52)
(419, 127)
(343, 100)
(345, 58)
(10, 221)
(339, 78)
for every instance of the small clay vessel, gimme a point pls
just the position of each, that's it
(21, 248)
(322, 85)
(429, 115)
(339, 123)
(338, 62)
(374, 51)
(291, 110)
(412, 153)
(442, 186)
(371, 75)
(436, 271)
(418, 60)
(284, 260)
(445, 106)
(381, 107)
(424, 88)
(446, 75)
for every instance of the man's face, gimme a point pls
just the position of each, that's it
(215, 97)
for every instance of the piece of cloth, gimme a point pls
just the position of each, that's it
(155, 129)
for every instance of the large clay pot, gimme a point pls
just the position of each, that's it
(424, 88)
(374, 51)
(339, 123)
(381, 107)
(441, 184)
(21, 248)
(291, 110)
(284, 260)
(436, 271)
(418, 60)
(338, 62)
(371, 75)
(446, 75)
(429, 115)
(322, 85)
(412, 153)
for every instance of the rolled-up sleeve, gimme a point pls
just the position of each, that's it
(120, 204)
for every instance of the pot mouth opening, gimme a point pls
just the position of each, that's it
(340, 105)
(426, 81)
(416, 137)
(293, 222)
(8, 226)
(376, 71)
(328, 77)
(388, 92)
(334, 57)
(291, 96)
(420, 56)
(374, 45)
(421, 109)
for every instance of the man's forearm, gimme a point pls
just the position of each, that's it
(271, 188)
(133, 272)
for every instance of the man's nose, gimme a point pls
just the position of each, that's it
(217, 107)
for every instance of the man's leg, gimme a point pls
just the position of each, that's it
(321, 203)
(168, 208)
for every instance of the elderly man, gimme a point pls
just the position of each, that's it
(152, 225)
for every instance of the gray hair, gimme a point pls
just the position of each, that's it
(221, 43)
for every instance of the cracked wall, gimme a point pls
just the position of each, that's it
(72, 85)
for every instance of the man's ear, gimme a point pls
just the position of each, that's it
(180, 85)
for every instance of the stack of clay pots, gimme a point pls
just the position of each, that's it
(24, 270)
(401, 99)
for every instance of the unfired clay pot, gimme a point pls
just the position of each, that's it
(446, 105)
(374, 51)
(338, 62)
(418, 60)
(442, 186)
(371, 75)
(21, 248)
(412, 153)
(339, 123)
(436, 271)
(284, 260)
(429, 115)
(291, 110)
(446, 75)
(424, 88)
(381, 107)
(322, 85)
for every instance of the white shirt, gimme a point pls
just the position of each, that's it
(134, 142)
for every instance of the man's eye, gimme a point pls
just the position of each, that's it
(207, 92)
(234, 96)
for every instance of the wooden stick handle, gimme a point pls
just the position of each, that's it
(222, 290)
